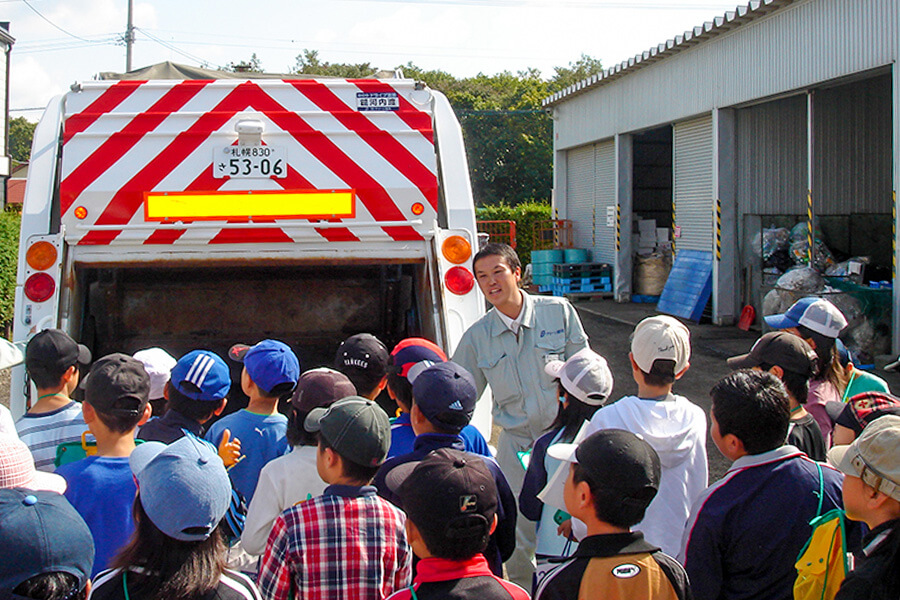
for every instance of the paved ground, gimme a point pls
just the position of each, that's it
(609, 326)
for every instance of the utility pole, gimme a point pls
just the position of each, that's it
(129, 38)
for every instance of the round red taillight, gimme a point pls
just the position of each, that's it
(39, 287)
(459, 280)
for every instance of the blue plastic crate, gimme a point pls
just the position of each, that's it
(689, 285)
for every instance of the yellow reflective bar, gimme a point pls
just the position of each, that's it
(293, 204)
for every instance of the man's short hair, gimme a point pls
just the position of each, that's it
(795, 383)
(350, 469)
(504, 251)
(754, 407)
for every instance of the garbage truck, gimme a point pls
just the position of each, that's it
(201, 212)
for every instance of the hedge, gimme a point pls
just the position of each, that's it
(9, 260)
(524, 214)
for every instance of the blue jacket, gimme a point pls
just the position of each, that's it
(746, 530)
(503, 540)
(403, 438)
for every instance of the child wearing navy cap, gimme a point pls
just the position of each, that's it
(443, 400)
(271, 371)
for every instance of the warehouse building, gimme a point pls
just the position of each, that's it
(742, 124)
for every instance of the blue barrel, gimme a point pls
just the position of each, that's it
(577, 255)
(552, 257)
(541, 269)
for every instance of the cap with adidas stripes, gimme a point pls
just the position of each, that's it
(201, 375)
(445, 394)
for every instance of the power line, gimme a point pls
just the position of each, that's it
(38, 13)
(174, 48)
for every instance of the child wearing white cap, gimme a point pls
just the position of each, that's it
(673, 425)
(585, 383)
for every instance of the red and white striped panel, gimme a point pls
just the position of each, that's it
(122, 139)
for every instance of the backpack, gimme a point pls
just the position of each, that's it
(822, 564)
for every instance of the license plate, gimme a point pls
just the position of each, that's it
(250, 162)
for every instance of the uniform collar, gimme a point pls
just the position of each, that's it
(442, 569)
(428, 442)
(497, 324)
(614, 544)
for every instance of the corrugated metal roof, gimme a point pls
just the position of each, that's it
(742, 15)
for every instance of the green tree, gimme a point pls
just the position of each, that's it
(254, 65)
(308, 63)
(577, 71)
(21, 132)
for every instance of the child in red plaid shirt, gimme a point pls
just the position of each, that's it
(347, 543)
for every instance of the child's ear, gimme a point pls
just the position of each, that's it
(680, 373)
(222, 405)
(494, 524)
(88, 413)
(148, 412)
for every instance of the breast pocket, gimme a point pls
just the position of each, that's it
(501, 371)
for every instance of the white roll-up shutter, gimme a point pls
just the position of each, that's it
(604, 249)
(693, 174)
(580, 194)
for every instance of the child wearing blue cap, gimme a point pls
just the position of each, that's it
(178, 549)
(271, 371)
(195, 393)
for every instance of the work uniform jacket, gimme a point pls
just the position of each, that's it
(525, 397)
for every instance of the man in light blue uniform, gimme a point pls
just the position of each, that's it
(508, 348)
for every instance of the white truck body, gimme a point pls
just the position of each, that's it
(202, 213)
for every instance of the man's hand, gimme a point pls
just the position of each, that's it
(230, 449)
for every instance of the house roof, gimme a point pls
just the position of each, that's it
(742, 15)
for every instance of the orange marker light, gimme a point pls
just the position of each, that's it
(456, 249)
(418, 208)
(41, 256)
(80, 212)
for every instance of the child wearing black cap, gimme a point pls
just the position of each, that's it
(348, 542)
(613, 477)
(364, 359)
(52, 360)
(443, 400)
(100, 487)
(792, 361)
(451, 504)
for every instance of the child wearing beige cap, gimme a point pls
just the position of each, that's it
(673, 425)
(871, 492)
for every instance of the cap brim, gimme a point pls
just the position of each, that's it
(554, 368)
(312, 422)
(834, 409)
(894, 366)
(84, 355)
(238, 351)
(48, 482)
(741, 362)
(142, 455)
(780, 322)
(564, 452)
(841, 459)
(396, 476)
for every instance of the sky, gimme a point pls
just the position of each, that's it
(59, 42)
